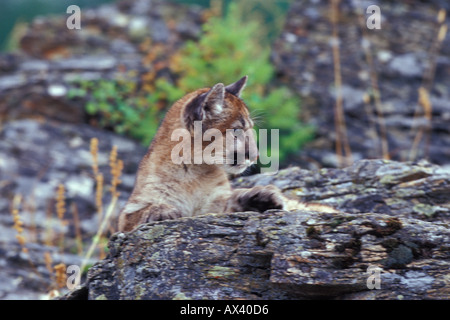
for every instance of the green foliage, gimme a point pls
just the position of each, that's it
(281, 109)
(118, 106)
(227, 50)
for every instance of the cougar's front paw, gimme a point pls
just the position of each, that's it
(261, 198)
(160, 212)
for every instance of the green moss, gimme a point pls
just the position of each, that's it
(281, 222)
(219, 272)
(181, 296)
(425, 209)
(338, 220)
(154, 232)
(139, 291)
(409, 193)
(155, 256)
(388, 179)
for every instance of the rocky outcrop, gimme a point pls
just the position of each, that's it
(381, 71)
(129, 40)
(390, 241)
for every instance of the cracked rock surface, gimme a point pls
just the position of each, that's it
(386, 233)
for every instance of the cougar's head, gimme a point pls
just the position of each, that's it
(223, 120)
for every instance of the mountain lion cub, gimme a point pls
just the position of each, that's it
(166, 189)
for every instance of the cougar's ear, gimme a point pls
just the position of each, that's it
(237, 87)
(206, 105)
(214, 98)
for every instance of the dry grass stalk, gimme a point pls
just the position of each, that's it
(48, 262)
(100, 231)
(30, 207)
(116, 170)
(442, 33)
(116, 167)
(57, 275)
(427, 81)
(18, 226)
(376, 93)
(424, 104)
(60, 275)
(60, 202)
(48, 265)
(48, 238)
(343, 150)
(99, 194)
(18, 223)
(76, 223)
(98, 177)
(94, 153)
(60, 211)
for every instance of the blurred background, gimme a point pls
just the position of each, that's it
(14, 12)
(22, 11)
(78, 107)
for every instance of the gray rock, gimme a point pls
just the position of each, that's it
(13, 81)
(90, 63)
(403, 53)
(407, 65)
(295, 255)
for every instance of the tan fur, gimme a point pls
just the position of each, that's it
(165, 190)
